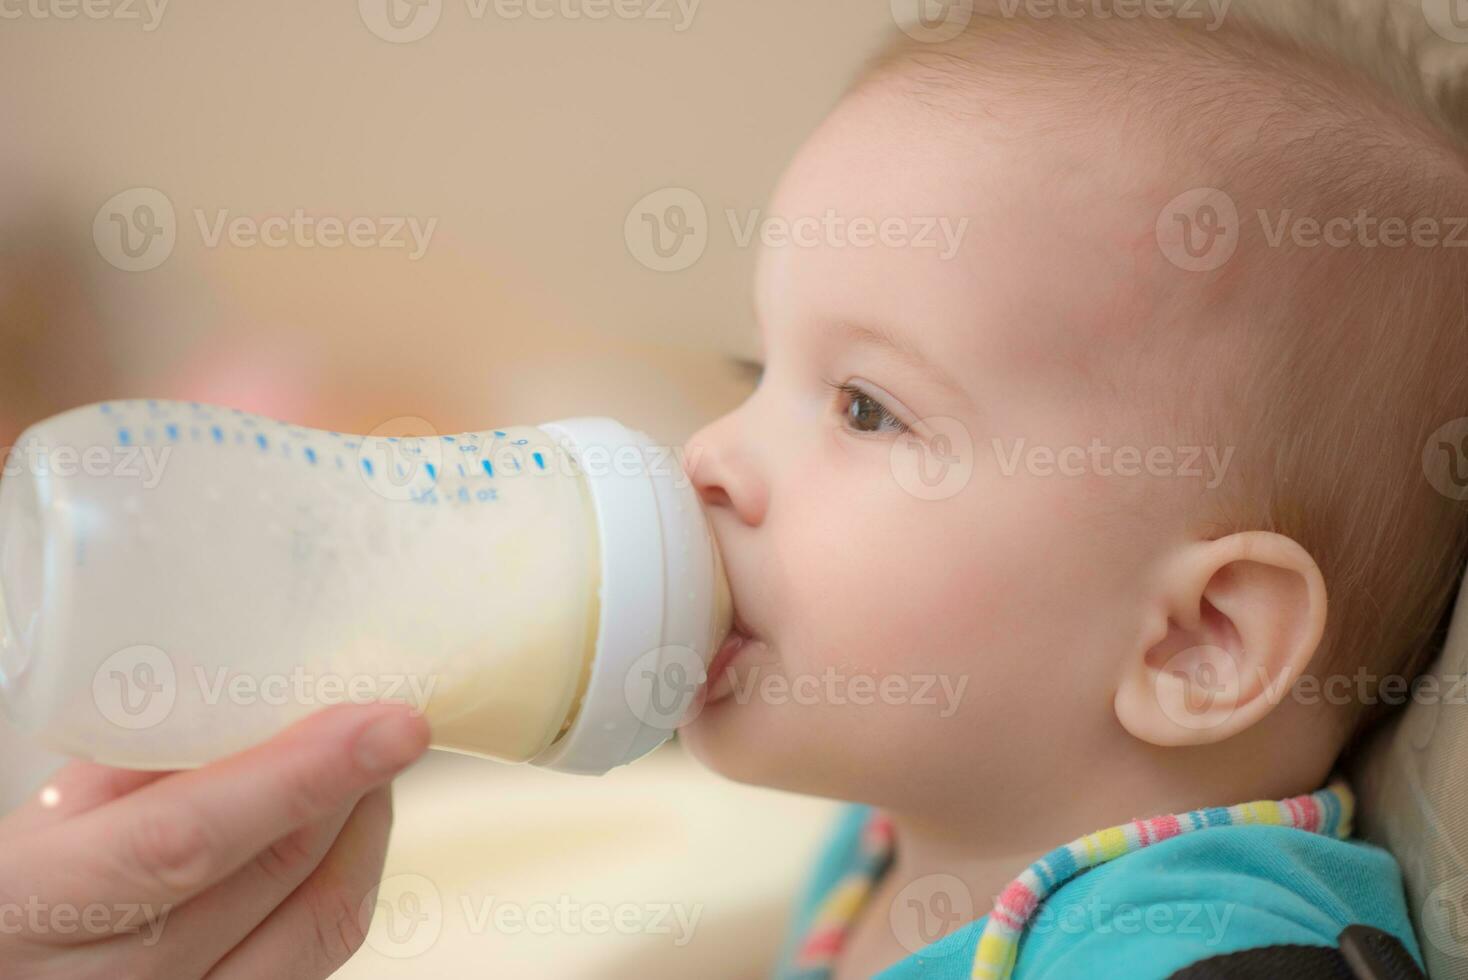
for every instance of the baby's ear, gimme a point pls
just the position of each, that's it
(1236, 622)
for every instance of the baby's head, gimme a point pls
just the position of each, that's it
(1057, 455)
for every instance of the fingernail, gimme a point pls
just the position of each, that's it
(390, 743)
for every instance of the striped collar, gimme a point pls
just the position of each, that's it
(1327, 811)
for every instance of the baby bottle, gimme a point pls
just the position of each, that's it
(179, 581)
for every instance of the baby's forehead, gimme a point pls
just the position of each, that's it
(998, 245)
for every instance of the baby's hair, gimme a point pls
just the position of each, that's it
(1327, 368)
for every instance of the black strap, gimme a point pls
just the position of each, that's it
(1364, 953)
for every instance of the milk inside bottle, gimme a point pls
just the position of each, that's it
(179, 581)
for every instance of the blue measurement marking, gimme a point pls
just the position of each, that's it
(172, 431)
(498, 434)
(432, 471)
(488, 467)
(125, 437)
(539, 460)
(106, 409)
(262, 442)
(311, 455)
(217, 433)
(367, 465)
(448, 438)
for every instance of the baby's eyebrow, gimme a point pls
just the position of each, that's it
(900, 347)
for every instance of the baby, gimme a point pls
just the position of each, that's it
(1085, 524)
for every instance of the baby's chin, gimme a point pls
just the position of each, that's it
(730, 738)
(734, 732)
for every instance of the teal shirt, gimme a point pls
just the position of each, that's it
(1150, 913)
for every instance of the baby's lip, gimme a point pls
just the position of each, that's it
(738, 625)
(716, 685)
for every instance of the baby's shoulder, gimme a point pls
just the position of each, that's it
(1205, 894)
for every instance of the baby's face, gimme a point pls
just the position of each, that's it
(925, 606)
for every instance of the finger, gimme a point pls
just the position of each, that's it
(167, 842)
(73, 790)
(322, 924)
(219, 920)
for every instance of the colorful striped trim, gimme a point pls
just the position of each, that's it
(1327, 811)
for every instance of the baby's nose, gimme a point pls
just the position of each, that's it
(725, 474)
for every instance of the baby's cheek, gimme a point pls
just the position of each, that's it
(889, 592)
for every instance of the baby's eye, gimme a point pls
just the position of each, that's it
(864, 413)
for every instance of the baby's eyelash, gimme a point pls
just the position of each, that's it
(851, 396)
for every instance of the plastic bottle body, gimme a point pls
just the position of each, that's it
(179, 581)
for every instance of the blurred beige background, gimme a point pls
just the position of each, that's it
(526, 141)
